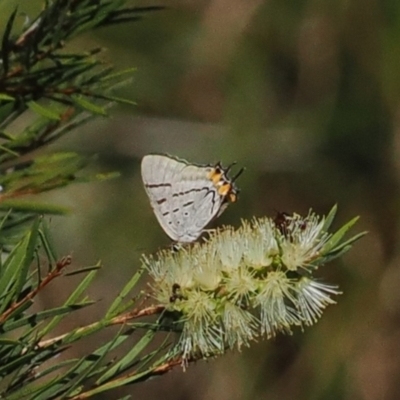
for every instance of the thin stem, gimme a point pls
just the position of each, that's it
(120, 319)
(160, 370)
(64, 262)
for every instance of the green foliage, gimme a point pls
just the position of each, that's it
(50, 91)
(27, 367)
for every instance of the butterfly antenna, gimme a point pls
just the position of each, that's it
(228, 168)
(240, 172)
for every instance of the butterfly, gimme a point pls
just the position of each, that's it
(186, 197)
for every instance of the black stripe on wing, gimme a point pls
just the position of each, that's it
(208, 191)
(157, 185)
(190, 191)
(189, 203)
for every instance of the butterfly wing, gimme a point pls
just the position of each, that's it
(184, 197)
(195, 202)
(159, 174)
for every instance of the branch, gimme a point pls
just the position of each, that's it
(64, 262)
(121, 319)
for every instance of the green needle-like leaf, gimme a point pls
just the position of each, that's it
(34, 319)
(12, 269)
(88, 106)
(114, 308)
(73, 298)
(43, 111)
(6, 97)
(329, 218)
(337, 236)
(29, 253)
(88, 365)
(129, 359)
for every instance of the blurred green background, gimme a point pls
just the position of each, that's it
(304, 94)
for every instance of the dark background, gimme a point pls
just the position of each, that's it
(305, 95)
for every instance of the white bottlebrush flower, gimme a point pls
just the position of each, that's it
(161, 284)
(199, 306)
(207, 269)
(229, 246)
(240, 326)
(202, 332)
(301, 241)
(200, 339)
(170, 270)
(275, 299)
(180, 269)
(245, 283)
(241, 285)
(155, 266)
(261, 245)
(312, 298)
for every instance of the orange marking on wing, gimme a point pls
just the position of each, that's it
(224, 189)
(215, 176)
